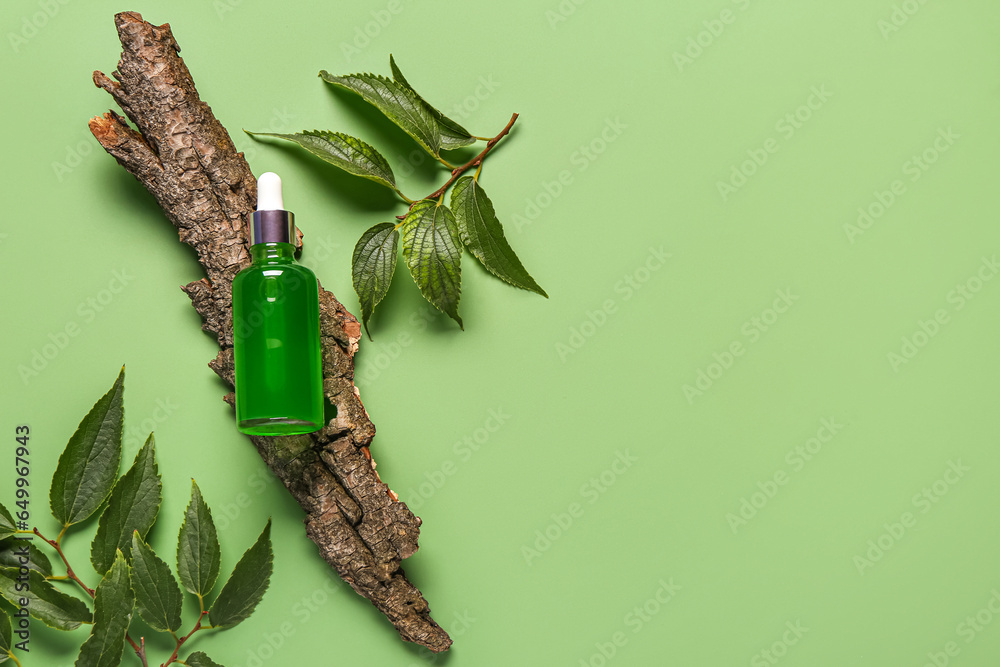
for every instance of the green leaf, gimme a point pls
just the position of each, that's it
(7, 525)
(373, 264)
(199, 659)
(433, 255)
(452, 134)
(12, 551)
(483, 234)
(88, 466)
(132, 506)
(246, 585)
(113, 604)
(46, 603)
(6, 636)
(158, 598)
(344, 151)
(197, 546)
(398, 104)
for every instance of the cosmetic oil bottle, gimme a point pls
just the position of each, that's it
(279, 378)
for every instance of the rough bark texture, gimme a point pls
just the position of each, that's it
(186, 159)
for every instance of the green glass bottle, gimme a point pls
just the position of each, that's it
(279, 376)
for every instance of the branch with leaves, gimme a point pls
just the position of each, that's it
(432, 233)
(133, 577)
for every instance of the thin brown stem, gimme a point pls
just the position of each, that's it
(180, 642)
(474, 162)
(140, 649)
(69, 570)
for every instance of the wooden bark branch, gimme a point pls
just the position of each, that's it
(185, 158)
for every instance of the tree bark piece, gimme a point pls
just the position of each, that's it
(185, 158)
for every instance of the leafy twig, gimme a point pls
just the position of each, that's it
(432, 240)
(144, 583)
(474, 162)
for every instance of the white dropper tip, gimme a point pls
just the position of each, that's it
(269, 192)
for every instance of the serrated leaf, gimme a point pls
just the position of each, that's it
(7, 525)
(452, 134)
(12, 551)
(6, 636)
(372, 266)
(342, 150)
(246, 585)
(433, 255)
(132, 506)
(398, 104)
(158, 598)
(199, 659)
(483, 234)
(113, 604)
(88, 467)
(49, 605)
(197, 546)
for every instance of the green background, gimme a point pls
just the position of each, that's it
(579, 382)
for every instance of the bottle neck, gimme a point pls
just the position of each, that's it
(272, 253)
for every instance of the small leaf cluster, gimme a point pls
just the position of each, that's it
(432, 234)
(134, 579)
